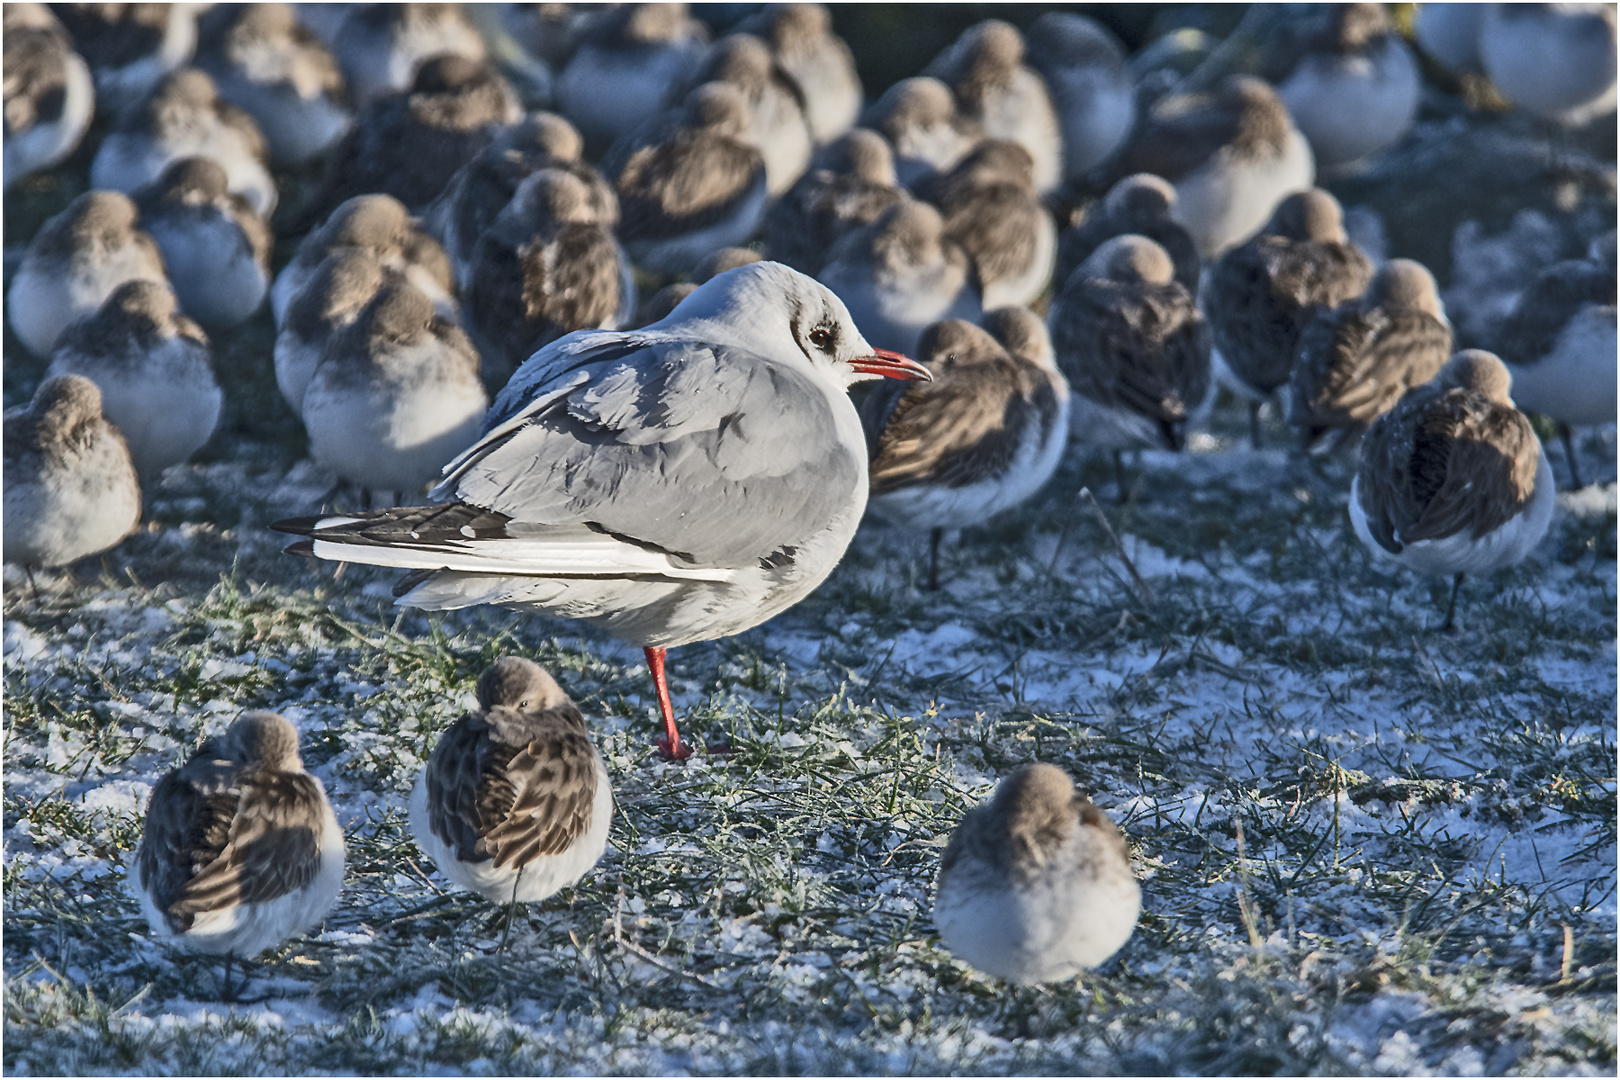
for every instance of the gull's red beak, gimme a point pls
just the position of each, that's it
(891, 365)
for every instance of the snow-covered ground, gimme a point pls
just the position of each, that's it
(1364, 846)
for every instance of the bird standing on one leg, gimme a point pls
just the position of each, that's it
(1453, 480)
(514, 803)
(673, 484)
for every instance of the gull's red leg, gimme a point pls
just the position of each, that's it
(669, 743)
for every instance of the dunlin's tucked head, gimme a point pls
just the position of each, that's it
(186, 89)
(654, 24)
(863, 154)
(742, 60)
(953, 344)
(719, 107)
(1131, 258)
(1141, 195)
(515, 682)
(1403, 283)
(1480, 371)
(264, 738)
(378, 222)
(399, 312)
(1309, 215)
(194, 180)
(908, 233)
(1037, 805)
(989, 51)
(149, 301)
(345, 281)
(557, 197)
(545, 134)
(1022, 333)
(797, 26)
(96, 218)
(916, 102)
(997, 161)
(65, 408)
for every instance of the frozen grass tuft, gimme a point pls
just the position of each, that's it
(1365, 847)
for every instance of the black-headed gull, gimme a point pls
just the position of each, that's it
(673, 484)
(1233, 154)
(75, 262)
(1356, 360)
(985, 435)
(1349, 80)
(155, 372)
(514, 802)
(1261, 295)
(49, 96)
(70, 487)
(1036, 884)
(1559, 343)
(240, 849)
(1453, 480)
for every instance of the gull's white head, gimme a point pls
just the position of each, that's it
(777, 312)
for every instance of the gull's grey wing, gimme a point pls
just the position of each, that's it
(627, 438)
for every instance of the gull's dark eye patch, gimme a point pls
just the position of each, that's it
(820, 337)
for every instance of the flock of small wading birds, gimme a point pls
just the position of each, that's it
(683, 469)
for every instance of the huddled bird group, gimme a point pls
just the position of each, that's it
(604, 277)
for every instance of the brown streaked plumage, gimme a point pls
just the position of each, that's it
(1262, 294)
(480, 189)
(990, 207)
(1232, 155)
(700, 188)
(514, 802)
(240, 849)
(1036, 883)
(1355, 361)
(855, 184)
(983, 436)
(1141, 204)
(1133, 345)
(410, 144)
(70, 485)
(547, 266)
(1453, 480)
